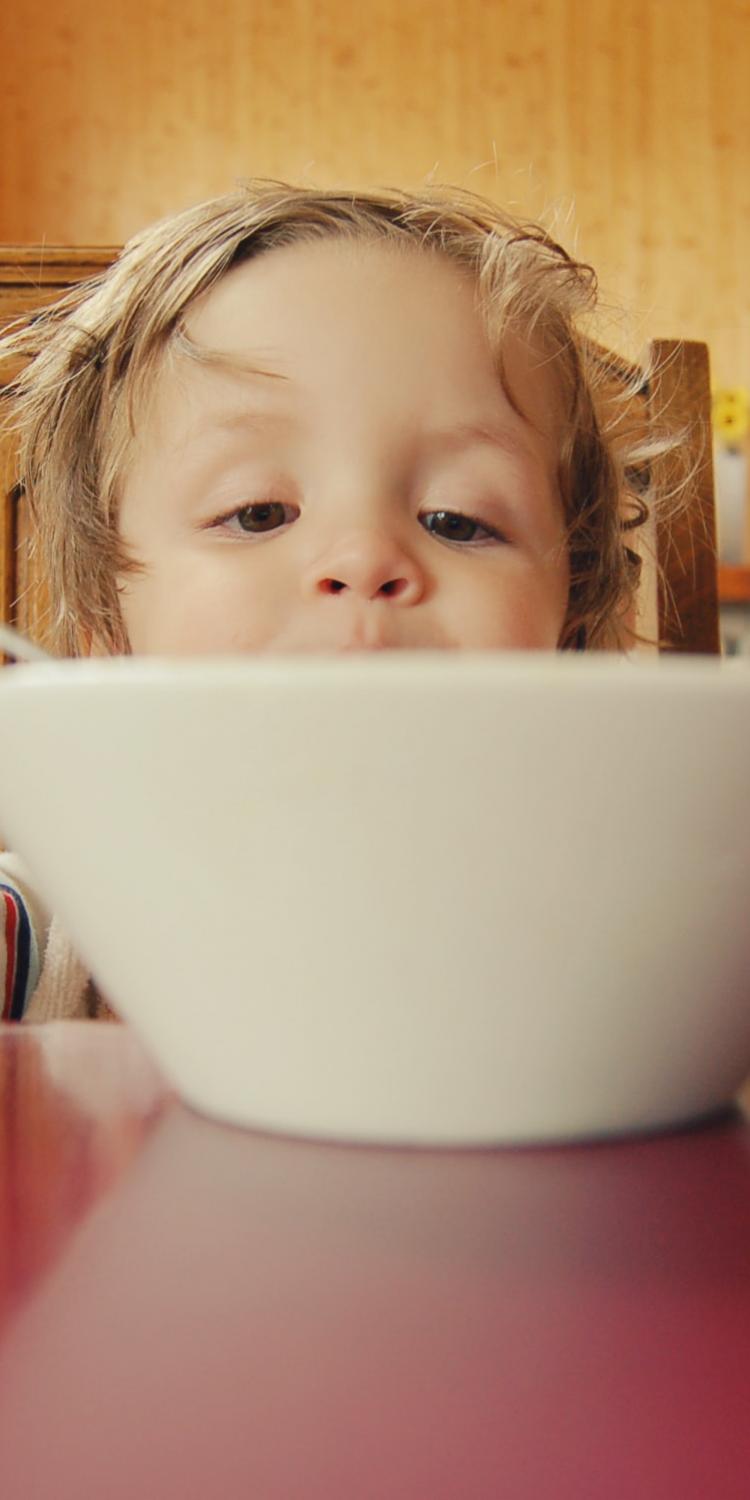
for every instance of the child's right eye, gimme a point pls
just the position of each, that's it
(264, 516)
(256, 519)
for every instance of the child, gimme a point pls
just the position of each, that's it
(292, 420)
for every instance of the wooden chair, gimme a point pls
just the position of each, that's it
(30, 278)
(682, 612)
(678, 602)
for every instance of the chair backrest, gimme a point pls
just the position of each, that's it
(678, 603)
(687, 550)
(680, 609)
(31, 276)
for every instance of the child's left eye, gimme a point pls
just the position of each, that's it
(457, 524)
(260, 518)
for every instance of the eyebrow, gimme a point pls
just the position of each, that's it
(462, 435)
(455, 438)
(452, 439)
(459, 435)
(243, 419)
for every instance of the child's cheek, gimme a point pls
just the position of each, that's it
(529, 610)
(180, 609)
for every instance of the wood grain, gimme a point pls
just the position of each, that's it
(626, 122)
(686, 549)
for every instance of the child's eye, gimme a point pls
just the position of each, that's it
(256, 519)
(268, 515)
(458, 527)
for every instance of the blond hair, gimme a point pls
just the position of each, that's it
(90, 358)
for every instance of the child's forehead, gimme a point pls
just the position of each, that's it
(315, 295)
(318, 276)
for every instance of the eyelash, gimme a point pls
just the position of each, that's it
(490, 531)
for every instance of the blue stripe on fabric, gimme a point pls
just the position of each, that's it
(23, 952)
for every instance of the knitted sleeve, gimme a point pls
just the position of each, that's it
(41, 975)
(65, 991)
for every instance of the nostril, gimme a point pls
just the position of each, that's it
(394, 586)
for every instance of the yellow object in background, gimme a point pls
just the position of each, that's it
(730, 418)
(730, 414)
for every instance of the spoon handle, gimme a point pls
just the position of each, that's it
(16, 645)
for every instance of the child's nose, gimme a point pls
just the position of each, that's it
(370, 567)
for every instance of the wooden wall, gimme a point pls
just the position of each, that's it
(628, 121)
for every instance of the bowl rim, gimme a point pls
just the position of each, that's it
(397, 667)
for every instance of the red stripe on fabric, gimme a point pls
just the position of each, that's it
(11, 925)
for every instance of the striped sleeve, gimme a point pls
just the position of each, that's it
(16, 954)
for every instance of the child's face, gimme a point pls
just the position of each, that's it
(321, 504)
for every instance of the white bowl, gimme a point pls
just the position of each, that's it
(409, 897)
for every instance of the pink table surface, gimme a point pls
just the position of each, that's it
(192, 1310)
